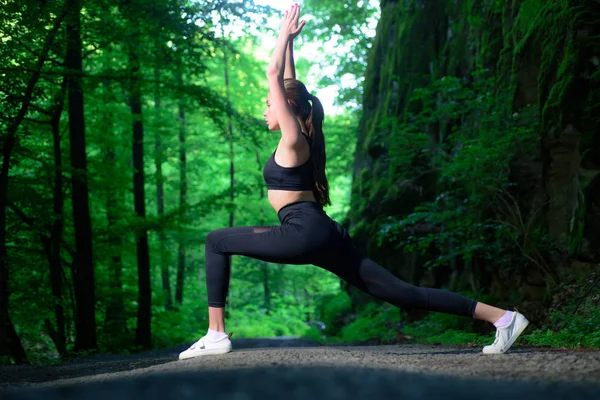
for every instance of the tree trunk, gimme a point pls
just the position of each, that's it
(85, 322)
(231, 147)
(56, 270)
(231, 157)
(115, 319)
(182, 200)
(160, 200)
(143, 332)
(264, 266)
(267, 289)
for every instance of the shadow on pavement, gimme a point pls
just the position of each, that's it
(307, 383)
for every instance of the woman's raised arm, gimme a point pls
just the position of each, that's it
(290, 129)
(290, 68)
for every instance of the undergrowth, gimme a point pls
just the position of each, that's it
(573, 322)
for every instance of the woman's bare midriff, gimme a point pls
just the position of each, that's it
(280, 198)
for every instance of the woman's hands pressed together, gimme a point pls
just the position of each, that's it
(289, 24)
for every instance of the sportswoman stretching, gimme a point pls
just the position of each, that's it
(298, 190)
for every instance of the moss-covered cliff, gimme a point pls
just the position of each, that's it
(487, 112)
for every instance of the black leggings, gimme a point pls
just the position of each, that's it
(308, 236)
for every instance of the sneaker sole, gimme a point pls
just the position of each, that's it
(206, 352)
(514, 338)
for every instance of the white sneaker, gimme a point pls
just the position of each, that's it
(506, 336)
(205, 347)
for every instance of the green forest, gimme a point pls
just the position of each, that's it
(463, 152)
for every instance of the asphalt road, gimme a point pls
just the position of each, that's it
(296, 369)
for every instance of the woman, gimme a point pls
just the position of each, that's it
(298, 190)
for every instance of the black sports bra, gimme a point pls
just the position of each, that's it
(289, 178)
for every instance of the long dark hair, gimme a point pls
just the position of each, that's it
(312, 116)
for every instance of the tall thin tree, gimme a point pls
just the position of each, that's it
(182, 197)
(115, 319)
(160, 198)
(56, 231)
(85, 321)
(230, 137)
(144, 315)
(263, 265)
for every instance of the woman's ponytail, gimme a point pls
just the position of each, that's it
(310, 110)
(314, 125)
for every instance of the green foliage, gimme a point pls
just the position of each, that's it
(254, 322)
(342, 30)
(574, 319)
(375, 322)
(381, 323)
(471, 163)
(565, 339)
(438, 328)
(174, 327)
(448, 329)
(332, 308)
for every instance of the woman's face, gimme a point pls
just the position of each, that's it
(270, 117)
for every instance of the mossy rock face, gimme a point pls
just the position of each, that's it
(546, 53)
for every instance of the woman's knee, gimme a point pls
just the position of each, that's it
(414, 297)
(213, 238)
(210, 239)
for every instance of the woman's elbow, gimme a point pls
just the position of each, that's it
(273, 72)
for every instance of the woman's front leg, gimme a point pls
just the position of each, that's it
(488, 313)
(216, 319)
